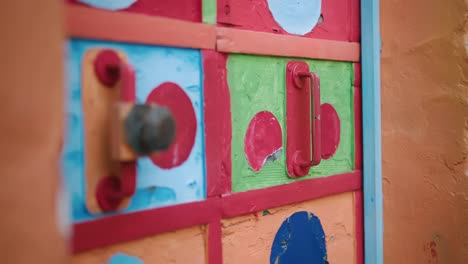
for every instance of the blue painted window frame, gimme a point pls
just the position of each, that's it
(371, 119)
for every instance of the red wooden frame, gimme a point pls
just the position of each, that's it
(218, 131)
(215, 243)
(261, 43)
(255, 15)
(359, 212)
(91, 23)
(84, 22)
(125, 227)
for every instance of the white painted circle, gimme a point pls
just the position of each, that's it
(296, 16)
(109, 4)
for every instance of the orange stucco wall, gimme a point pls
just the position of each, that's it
(31, 119)
(424, 96)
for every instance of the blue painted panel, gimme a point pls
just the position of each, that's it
(372, 146)
(296, 17)
(154, 65)
(120, 258)
(300, 239)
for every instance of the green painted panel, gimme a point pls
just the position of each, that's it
(257, 84)
(209, 11)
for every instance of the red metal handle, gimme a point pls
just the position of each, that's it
(314, 88)
(110, 69)
(303, 138)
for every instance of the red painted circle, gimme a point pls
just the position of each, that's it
(262, 139)
(170, 95)
(330, 122)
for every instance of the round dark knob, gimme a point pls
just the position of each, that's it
(149, 128)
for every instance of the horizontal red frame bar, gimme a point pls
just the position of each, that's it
(253, 201)
(261, 43)
(125, 227)
(83, 22)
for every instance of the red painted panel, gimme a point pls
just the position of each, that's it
(189, 10)
(218, 132)
(340, 18)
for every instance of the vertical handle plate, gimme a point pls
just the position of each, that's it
(303, 133)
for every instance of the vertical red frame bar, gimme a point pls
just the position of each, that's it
(359, 227)
(217, 117)
(215, 243)
(358, 198)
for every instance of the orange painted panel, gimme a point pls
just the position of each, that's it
(182, 246)
(248, 239)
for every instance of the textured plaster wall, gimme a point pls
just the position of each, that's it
(31, 119)
(424, 130)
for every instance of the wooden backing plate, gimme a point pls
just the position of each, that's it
(98, 104)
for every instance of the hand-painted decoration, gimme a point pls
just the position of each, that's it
(135, 159)
(190, 10)
(300, 239)
(296, 17)
(263, 140)
(170, 95)
(169, 77)
(121, 258)
(257, 84)
(330, 123)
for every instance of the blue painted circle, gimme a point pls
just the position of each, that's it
(296, 16)
(109, 4)
(300, 239)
